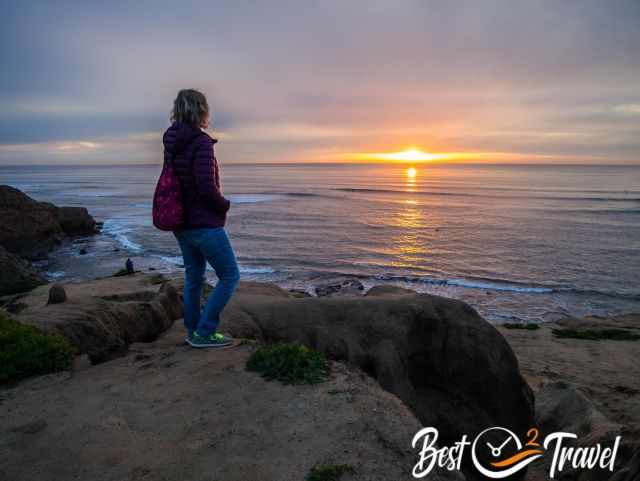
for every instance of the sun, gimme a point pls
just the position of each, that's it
(411, 172)
(410, 154)
(413, 155)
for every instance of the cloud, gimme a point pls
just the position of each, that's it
(628, 109)
(287, 79)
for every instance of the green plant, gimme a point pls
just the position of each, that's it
(289, 363)
(27, 351)
(596, 334)
(329, 472)
(529, 326)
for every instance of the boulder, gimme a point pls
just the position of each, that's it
(349, 287)
(57, 294)
(16, 275)
(388, 290)
(29, 228)
(102, 318)
(165, 412)
(451, 367)
(261, 289)
(299, 293)
(76, 221)
(560, 406)
(32, 228)
(630, 471)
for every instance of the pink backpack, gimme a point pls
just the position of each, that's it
(168, 209)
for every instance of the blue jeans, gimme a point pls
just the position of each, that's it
(198, 247)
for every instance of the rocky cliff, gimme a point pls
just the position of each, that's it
(30, 229)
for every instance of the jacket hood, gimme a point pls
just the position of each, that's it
(179, 135)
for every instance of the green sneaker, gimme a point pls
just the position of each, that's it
(212, 340)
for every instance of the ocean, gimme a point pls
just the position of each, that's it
(520, 243)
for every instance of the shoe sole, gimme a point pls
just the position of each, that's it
(213, 346)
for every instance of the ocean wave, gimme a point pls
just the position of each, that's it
(508, 286)
(629, 296)
(498, 287)
(256, 270)
(493, 285)
(94, 193)
(175, 260)
(178, 261)
(368, 190)
(250, 198)
(119, 232)
(267, 196)
(601, 212)
(302, 194)
(51, 275)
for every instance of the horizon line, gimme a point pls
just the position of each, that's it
(399, 163)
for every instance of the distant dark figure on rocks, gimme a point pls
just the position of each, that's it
(83, 251)
(57, 294)
(202, 239)
(129, 266)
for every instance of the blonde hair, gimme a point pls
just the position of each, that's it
(190, 107)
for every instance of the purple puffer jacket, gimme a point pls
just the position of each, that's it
(197, 169)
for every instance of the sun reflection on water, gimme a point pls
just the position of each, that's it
(411, 179)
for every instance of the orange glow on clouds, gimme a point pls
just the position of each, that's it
(415, 155)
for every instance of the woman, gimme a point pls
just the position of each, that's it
(203, 238)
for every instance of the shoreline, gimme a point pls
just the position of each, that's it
(462, 289)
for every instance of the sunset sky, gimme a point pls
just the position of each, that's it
(303, 81)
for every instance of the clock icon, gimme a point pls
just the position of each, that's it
(498, 453)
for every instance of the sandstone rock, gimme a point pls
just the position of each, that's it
(31, 228)
(451, 367)
(261, 289)
(16, 275)
(630, 471)
(602, 396)
(57, 294)
(76, 221)
(299, 293)
(102, 317)
(349, 287)
(33, 427)
(167, 412)
(560, 406)
(388, 290)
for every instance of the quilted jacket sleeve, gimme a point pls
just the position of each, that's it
(205, 173)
